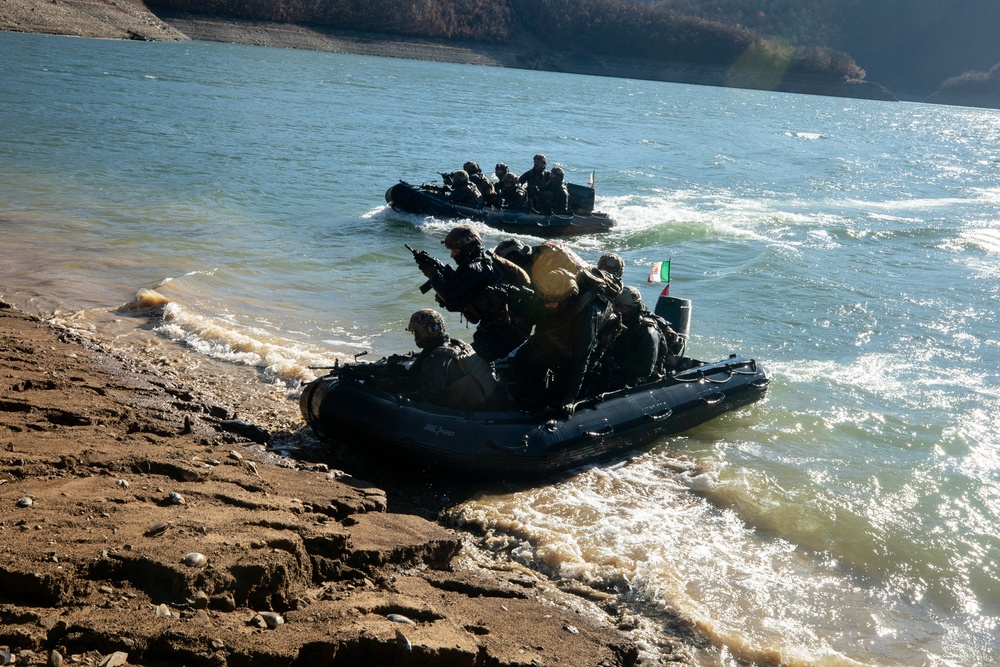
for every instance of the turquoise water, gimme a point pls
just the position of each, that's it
(853, 246)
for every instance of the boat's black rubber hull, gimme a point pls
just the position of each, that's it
(511, 444)
(412, 199)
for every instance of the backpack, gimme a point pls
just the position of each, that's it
(477, 388)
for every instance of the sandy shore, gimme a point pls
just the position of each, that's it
(113, 478)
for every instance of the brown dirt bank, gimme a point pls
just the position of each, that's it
(111, 476)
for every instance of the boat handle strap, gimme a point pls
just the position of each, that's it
(662, 414)
(606, 430)
(712, 399)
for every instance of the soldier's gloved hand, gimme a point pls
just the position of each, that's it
(569, 409)
(429, 270)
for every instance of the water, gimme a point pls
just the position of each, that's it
(853, 246)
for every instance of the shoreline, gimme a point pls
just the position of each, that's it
(113, 474)
(120, 19)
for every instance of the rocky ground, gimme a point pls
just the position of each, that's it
(143, 524)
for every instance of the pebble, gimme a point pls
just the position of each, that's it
(55, 659)
(194, 559)
(403, 641)
(399, 618)
(571, 629)
(25, 502)
(5, 657)
(163, 611)
(116, 659)
(123, 483)
(158, 529)
(176, 498)
(235, 455)
(272, 619)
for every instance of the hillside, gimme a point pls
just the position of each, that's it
(591, 40)
(942, 51)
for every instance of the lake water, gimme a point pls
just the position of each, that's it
(853, 517)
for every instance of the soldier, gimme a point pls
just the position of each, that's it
(535, 178)
(639, 353)
(553, 197)
(499, 171)
(483, 184)
(464, 193)
(512, 196)
(479, 289)
(447, 371)
(551, 366)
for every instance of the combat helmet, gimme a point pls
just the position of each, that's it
(425, 325)
(471, 167)
(461, 236)
(611, 263)
(460, 177)
(508, 179)
(512, 249)
(558, 173)
(629, 297)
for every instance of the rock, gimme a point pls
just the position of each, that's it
(271, 619)
(157, 529)
(399, 618)
(176, 498)
(116, 659)
(55, 659)
(194, 559)
(25, 502)
(225, 602)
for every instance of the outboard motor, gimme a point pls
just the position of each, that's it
(678, 313)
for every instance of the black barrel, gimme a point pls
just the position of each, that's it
(678, 313)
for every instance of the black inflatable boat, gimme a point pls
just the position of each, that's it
(349, 407)
(429, 200)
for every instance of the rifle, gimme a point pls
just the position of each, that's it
(446, 178)
(423, 258)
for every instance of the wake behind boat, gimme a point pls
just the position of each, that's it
(430, 200)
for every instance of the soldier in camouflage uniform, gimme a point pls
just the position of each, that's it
(447, 371)
(479, 289)
(464, 193)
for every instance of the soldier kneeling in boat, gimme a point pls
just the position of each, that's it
(447, 371)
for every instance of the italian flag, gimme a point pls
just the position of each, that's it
(660, 273)
(591, 181)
